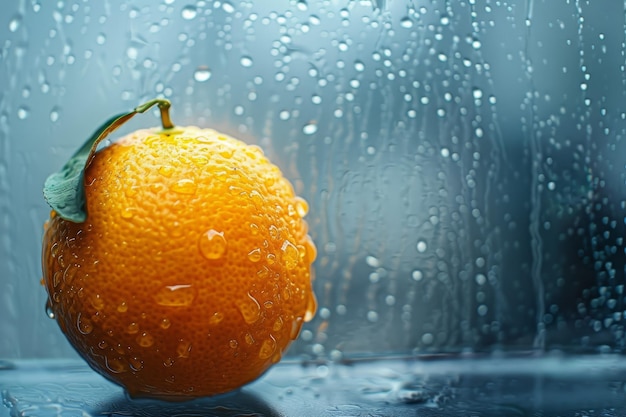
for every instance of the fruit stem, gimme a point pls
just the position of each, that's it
(164, 107)
(166, 122)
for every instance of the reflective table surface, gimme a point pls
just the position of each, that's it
(521, 385)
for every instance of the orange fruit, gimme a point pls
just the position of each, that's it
(192, 273)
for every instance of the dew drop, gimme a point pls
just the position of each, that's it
(249, 308)
(302, 207)
(246, 61)
(176, 295)
(212, 244)
(135, 364)
(49, 310)
(290, 255)
(227, 7)
(15, 22)
(267, 348)
(54, 114)
(406, 22)
(184, 349)
(97, 302)
(310, 128)
(145, 340)
(359, 66)
(189, 12)
(421, 246)
(166, 170)
(216, 318)
(184, 186)
(274, 232)
(302, 5)
(84, 325)
(311, 307)
(127, 213)
(23, 112)
(296, 326)
(254, 255)
(115, 365)
(202, 74)
(132, 328)
(278, 324)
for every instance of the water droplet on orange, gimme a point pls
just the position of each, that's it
(135, 363)
(302, 207)
(97, 302)
(268, 304)
(263, 272)
(103, 344)
(213, 244)
(296, 326)
(132, 328)
(165, 323)
(249, 308)
(271, 259)
(127, 212)
(184, 186)
(145, 340)
(69, 273)
(290, 255)
(166, 170)
(278, 324)
(115, 365)
(254, 229)
(199, 160)
(257, 198)
(56, 278)
(168, 362)
(123, 307)
(176, 295)
(311, 250)
(267, 348)
(311, 307)
(249, 339)
(184, 349)
(274, 232)
(84, 325)
(49, 310)
(255, 255)
(216, 318)
(233, 344)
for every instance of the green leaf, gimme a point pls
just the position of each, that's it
(64, 190)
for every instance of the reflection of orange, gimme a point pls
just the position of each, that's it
(192, 273)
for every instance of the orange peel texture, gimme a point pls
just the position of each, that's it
(192, 273)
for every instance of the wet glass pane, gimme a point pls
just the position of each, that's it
(463, 160)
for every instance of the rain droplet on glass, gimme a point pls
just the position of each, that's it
(202, 74)
(310, 128)
(189, 12)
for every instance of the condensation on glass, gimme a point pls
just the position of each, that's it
(464, 160)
